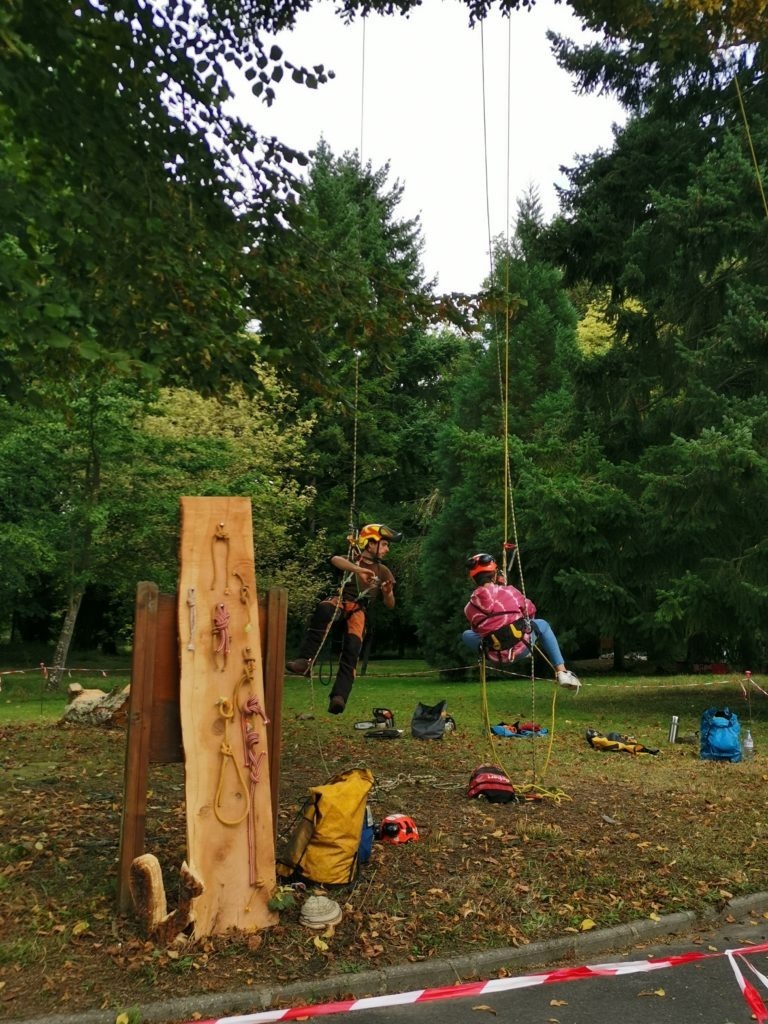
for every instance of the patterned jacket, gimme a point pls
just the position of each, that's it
(496, 605)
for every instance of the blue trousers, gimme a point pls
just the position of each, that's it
(541, 634)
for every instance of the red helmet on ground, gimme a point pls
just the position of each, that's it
(398, 828)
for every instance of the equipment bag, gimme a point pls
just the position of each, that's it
(325, 844)
(720, 735)
(428, 723)
(366, 837)
(519, 729)
(493, 783)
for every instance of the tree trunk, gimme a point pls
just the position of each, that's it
(65, 639)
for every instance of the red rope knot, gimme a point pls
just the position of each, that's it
(221, 629)
(253, 707)
(253, 760)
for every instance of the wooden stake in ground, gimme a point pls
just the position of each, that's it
(230, 836)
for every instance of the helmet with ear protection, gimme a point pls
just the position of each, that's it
(398, 828)
(481, 563)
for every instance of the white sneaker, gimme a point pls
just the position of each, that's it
(567, 679)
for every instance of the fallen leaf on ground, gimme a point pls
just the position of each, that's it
(487, 1009)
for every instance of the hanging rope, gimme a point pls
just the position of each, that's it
(510, 547)
(533, 789)
(751, 145)
(362, 94)
(347, 576)
(353, 487)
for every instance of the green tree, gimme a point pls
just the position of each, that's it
(341, 296)
(511, 408)
(90, 499)
(56, 471)
(671, 224)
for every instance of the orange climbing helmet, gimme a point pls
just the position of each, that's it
(376, 532)
(398, 828)
(481, 563)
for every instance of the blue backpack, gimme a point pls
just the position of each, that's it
(720, 735)
(366, 837)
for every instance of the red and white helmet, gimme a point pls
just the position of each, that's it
(398, 828)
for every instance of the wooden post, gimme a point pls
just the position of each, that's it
(230, 834)
(273, 614)
(139, 732)
(154, 719)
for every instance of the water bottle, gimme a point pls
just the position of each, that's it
(672, 737)
(748, 746)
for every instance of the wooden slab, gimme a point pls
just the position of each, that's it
(230, 837)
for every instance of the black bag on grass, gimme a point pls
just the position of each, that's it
(428, 723)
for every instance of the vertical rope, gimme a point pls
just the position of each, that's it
(751, 145)
(362, 95)
(503, 368)
(507, 487)
(485, 151)
(353, 488)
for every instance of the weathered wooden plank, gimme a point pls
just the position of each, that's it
(165, 740)
(274, 617)
(230, 838)
(138, 737)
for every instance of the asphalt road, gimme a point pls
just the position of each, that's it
(705, 991)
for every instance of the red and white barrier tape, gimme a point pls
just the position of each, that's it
(478, 988)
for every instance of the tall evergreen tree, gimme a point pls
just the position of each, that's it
(672, 223)
(341, 297)
(526, 355)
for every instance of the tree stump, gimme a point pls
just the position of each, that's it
(95, 707)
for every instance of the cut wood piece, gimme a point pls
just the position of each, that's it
(230, 836)
(150, 904)
(95, 707)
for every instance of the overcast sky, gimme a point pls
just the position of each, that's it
(409, 91)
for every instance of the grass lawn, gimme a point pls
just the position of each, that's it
(615, 837)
